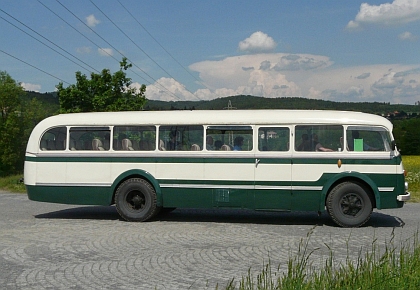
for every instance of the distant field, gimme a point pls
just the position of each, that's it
(412, 166)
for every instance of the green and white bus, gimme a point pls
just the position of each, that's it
(269, 160)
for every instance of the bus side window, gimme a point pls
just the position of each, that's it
(361, 139)
(181, 138)
(134, 138)
(319, 138)
(90, 138)
(54, 139)
(273, 139)
(229, 138)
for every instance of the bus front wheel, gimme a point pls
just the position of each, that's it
(135, 200)
(349, 205)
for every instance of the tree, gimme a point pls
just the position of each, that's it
(12, 141)
(102, 92)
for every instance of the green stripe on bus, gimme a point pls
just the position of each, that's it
(201, 159)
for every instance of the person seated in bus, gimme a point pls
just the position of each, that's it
(172, 143)
(209, 143)
(162, 145)
(237, 143)
(317, 146)
(225, 147)
(305, 145)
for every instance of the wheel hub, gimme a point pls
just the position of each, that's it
(351, 204)
(136, 200)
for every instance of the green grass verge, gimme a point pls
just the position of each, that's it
(378, 268)
(12, 183)
(412, 166)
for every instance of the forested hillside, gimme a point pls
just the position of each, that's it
(251, 102)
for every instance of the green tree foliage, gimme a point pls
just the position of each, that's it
(18, 117)
(406, 133)
(102, 92)
(11, 124)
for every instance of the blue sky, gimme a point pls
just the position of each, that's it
(201, 50)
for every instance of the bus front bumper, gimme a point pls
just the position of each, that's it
(404, 197)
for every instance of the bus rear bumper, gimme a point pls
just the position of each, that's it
(404, 197)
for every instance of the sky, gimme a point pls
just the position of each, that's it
(201, 50)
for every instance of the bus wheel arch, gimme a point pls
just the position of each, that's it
(350, 202)
(354, 177)
(137, 173)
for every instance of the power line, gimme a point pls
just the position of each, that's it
(131, 39)
(46, 40)
(116, 49)
(184, 68)
(34, 67)
(126, 35)
(87, 38)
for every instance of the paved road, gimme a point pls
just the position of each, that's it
(51, 246)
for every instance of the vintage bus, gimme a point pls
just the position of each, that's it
(270, 160)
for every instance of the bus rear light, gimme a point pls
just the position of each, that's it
(405, 173)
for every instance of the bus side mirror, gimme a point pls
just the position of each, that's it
(393, 145)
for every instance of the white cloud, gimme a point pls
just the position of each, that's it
(168, 89)
(31, 87)
(407, 36)
(273, 75)
(105, 51)
(382, 83)
(91, 21)
(397, 12)
(230, 73)
(257, 42)
(83, 50)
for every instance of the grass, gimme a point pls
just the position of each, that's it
(12, 183)
(412, 166)
(395, 267)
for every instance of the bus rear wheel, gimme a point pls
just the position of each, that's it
(135, 200)
(349, 205)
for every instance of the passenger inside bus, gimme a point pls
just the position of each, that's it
(209, 143)
(305, 145)
(172, 143)
(237, 143)
(317, 146)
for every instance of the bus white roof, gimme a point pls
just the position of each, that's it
(215, 117)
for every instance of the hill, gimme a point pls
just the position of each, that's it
(251, 102)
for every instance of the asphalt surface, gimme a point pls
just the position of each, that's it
(52, 246)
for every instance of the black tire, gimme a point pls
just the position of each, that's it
(135, 200)
(349, 205)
